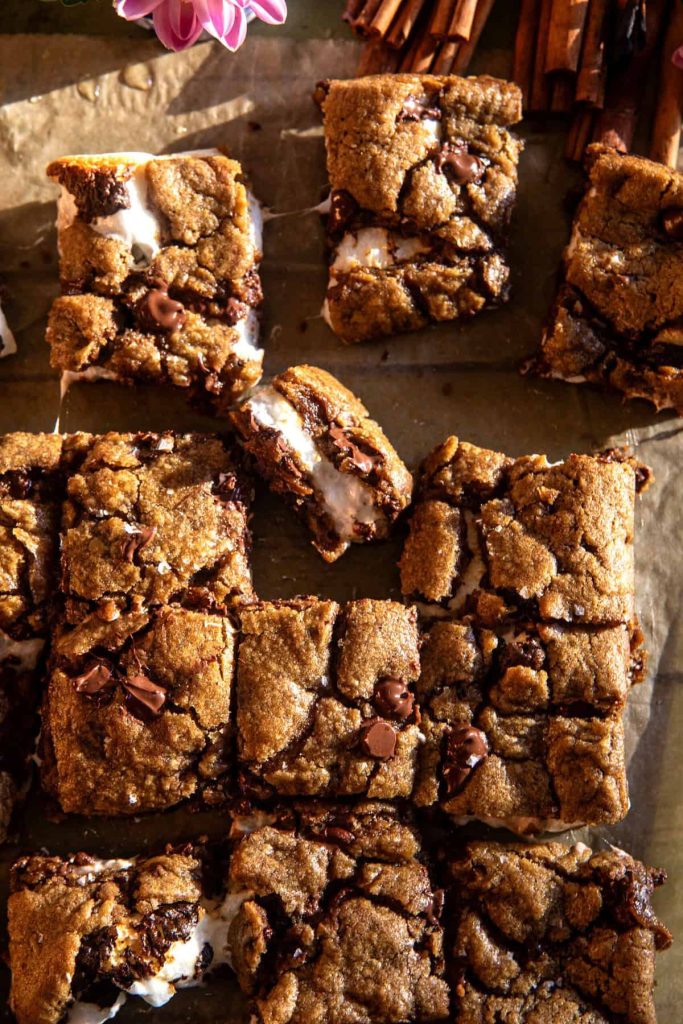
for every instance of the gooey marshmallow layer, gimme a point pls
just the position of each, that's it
(346, 499)
(8, 345)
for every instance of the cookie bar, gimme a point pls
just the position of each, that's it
(151, 519)
(342, 923)
(30, 494)
(325, 705)
(316, 445)
(553, 934)
(522, 722)
(85, 934)
(617, 317)
(159, 261)
(423, 171)
(549, 541)
(8, 345)
(137, 712)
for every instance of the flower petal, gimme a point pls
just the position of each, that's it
(274, 12)
(237, 34)
(176, 24)
(677, 58)
(216, 16)
(131, 10)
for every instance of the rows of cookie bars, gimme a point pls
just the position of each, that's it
(510, 713)
(336, 913)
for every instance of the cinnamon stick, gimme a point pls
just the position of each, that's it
(525, 40)
(562, 89)
(466, 50)
(462, 21)
(381, 23)
(666, 132)
(405, 23)
(590, 85)
(567, 20)
(579, 134)
(443, 62)
(616, 123)
(539, 94)
(352, 10)
(361, 23)
(441, 18)
(377, 59)
(420, 56)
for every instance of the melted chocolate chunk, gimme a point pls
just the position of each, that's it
(342, 208)
(416, 110)
(145, 692)
(672, 224)
(235, 311)
(361, 460)
(378, 739)
(466, 747)
(462, 167)
(97, 191)
(393, 699)
(528, 653)
(158, 311)
(137, 541)
(97, 678)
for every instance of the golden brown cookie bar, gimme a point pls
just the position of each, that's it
(87, 934)
(315, 444)
(159, 262)
(30, 496)
(151, 519)
(423, 173)
(522, 724)
(617, 318)
(552, 934)
(324, 698)
(137, 712)
(551, 541)
(342, 923)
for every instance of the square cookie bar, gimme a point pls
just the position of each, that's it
(618, 314)
(137, 712)
(315, 444)
(30, 496)
(342, 923)
(324, 700)
(159, 261)
(553, 542)
(85, 934)
(151, 519)
(553, 935)
(523, 722)
(423, 172)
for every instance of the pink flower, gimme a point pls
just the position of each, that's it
(677, 58)
(179, 23)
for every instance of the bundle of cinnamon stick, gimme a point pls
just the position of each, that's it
(417, 35)
(592, 58)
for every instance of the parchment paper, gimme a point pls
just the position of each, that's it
(69, 94)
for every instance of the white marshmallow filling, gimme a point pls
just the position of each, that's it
(8, 344)
(181, 967)
(346, 499)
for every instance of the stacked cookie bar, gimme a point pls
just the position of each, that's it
(159, 261)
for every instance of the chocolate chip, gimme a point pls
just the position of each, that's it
(336, 834)
(378, 739)
(672, 223)
(150, 694)
(361, 460)
(393, 699)
(157, 310)
(525, 652)
(463, 167)
(466, 747)
(342, 208)
(95, 679)
(235, 310)
(137, 541)
(416, 110)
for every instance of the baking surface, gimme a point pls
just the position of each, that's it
(120, 90)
